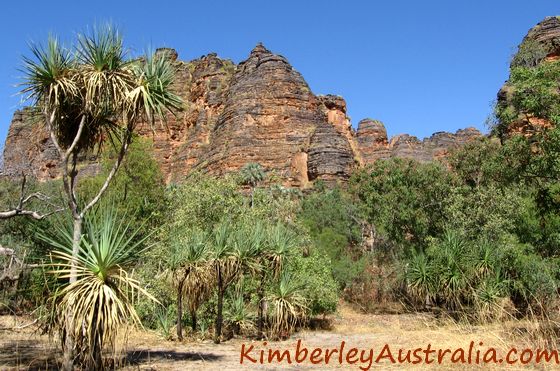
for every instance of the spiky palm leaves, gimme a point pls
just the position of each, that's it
(190, 273)
(204, 261)
(96, 83)
(233, 250)
(420, 279)
(288, 306)
(100, 300)
(274, 250)
(87, 95)
(237, 314)
(252, 174)
(454, 275)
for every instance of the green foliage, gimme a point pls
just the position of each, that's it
(536, 90)
(319, 286)
(137, 189)
(201, 201)
(252, 174)
(486, 211)
(532, 92)
(458, 274)
(403, 199)
(529, 54)
(331, 219)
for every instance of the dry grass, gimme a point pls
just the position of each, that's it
(23, 348)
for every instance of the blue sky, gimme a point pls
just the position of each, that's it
(419, 66)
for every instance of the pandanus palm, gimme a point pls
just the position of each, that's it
(233, 252)
(252, 174)
(275, 250)
(289, 306)
(188, 262)
(225, 267)
(85, 95)
(100, 299)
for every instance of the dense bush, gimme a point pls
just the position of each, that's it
(333, 224)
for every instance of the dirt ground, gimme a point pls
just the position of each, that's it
(21, 347)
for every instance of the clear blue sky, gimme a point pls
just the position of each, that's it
(419, 66)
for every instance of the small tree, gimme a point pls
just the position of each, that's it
(101, 297)
(191, 275)
(279, 242)
(87, 95)
(252, 174)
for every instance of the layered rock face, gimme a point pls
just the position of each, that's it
(260, 110)
(271, 117)
(374, 144)
(547, 34)
(28, 148)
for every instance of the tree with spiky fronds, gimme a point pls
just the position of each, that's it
(234, 249)
(100, 298)
(289, 306)
(276, 249)
(191, 275)
(252, 174)
(87, 95)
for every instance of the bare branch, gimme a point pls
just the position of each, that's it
(124, 147)
(77, 137)
(72, 204)
(23, 200)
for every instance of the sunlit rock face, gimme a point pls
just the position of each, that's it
(260, 110)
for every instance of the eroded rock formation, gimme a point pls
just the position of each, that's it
(260, 110)
(374, 144)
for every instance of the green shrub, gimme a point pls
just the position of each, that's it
(319, 286)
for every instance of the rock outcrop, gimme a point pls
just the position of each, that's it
(374, 144)
(547, 34)
(540, 45)
(261, 110)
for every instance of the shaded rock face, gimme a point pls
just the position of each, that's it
(260, 110)
(372, 140)
(28, 148)
(185, 137)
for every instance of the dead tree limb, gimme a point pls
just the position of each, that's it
(24, 200)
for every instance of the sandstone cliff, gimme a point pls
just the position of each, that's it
(261, 110)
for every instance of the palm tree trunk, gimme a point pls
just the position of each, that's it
(97, 349)
(180, 311)
(68, 362)
(260, 294)
(219, 316)
(193, 318)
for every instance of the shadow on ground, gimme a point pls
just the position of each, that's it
(28, 355)
(138, 357)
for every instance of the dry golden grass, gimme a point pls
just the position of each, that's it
(147, 350)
